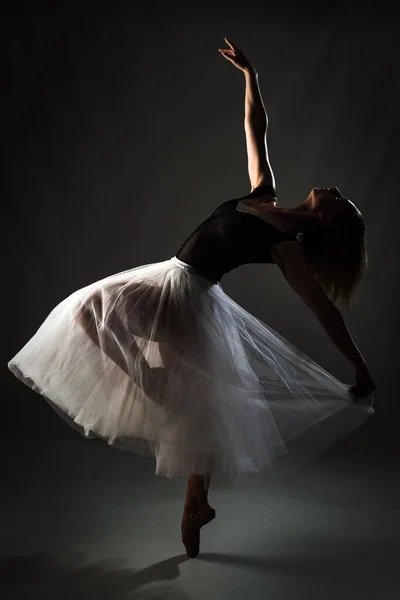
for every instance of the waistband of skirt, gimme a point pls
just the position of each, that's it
(188, 267)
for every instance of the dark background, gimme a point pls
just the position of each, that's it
(124, 129)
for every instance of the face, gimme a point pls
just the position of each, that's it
(330, 200)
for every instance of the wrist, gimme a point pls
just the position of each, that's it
(362, 369)
(249, 70)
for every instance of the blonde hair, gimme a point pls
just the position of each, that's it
(339, 256)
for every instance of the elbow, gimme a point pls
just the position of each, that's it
(330, 317)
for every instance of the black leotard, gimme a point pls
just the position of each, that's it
(229, 238)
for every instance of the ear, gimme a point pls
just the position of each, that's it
(325, 220)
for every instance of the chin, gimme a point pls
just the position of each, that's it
(308, 203)
(313, 197)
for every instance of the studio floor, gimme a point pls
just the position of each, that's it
(83, 521)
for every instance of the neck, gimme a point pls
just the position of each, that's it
(291, 220)
(304, 206)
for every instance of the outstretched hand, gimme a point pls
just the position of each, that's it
(235, 56)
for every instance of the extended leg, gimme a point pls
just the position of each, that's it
(120, 345)
(89, 316)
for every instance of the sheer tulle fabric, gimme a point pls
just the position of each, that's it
(158, 360)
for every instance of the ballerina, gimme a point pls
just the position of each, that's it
(158, 360)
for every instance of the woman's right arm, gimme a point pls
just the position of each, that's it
(290, 258)
(256, 127)
(255, 120)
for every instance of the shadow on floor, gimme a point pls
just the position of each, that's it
(66, 575)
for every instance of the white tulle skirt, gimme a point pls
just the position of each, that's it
(158, 360)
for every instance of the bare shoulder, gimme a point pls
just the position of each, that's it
(289, 252)
(290, 257)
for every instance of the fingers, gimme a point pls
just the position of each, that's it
(226, 55)
(230, 44)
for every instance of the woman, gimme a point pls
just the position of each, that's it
(158, 360)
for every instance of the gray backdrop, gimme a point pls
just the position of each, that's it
(124, 129)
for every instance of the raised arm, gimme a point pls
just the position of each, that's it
(255, 120)
(256, 126)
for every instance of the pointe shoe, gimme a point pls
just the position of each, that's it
(191, 529)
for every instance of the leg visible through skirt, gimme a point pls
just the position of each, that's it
(197, 511)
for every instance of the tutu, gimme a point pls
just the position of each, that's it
(158, 360)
